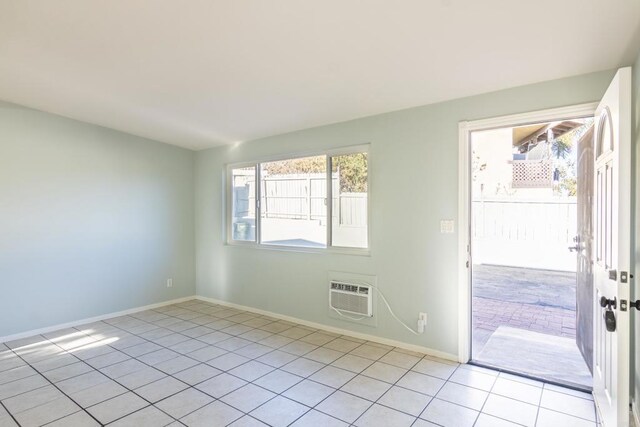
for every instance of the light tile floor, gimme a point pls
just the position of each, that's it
(200, 364)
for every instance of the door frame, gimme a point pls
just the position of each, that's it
(464, 200)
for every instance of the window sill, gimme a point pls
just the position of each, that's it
(300, 249)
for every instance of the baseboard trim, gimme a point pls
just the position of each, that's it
(635, 414)
(373, 338)
(53, 328)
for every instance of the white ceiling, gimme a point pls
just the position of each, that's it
(200, 73)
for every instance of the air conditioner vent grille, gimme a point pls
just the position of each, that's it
(351, 298)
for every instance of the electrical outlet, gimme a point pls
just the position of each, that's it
(447, 226)
(422, 322)
(169, 283)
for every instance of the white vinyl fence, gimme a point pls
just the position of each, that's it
(302, 198)
(525, 233)
(351, 209)
(295, 197)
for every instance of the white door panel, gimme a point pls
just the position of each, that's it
(612, 263)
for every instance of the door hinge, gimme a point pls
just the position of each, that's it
(467, 264)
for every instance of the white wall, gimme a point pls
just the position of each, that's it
(92, 221)
(413, 162)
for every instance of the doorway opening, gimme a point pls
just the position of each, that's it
(530, 190)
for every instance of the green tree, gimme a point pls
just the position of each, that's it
(352, 167)
(353, 172)
(305, 165)
(568, 183)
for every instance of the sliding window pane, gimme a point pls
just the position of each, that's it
(244, 204)
(293, 202)
(350, 200)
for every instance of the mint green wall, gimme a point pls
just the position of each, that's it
(414, 184)
(92, 221)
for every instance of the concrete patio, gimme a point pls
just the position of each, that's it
(534, 302)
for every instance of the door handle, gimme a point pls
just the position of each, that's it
(610, 320)
(609, 316)
(635, 304)
(610, 303)
(575, 248)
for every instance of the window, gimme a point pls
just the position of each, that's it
(243, 189)
(350, 201)
(293, 201)
(287, 202)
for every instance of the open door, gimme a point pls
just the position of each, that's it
(612, 252)
(584, 248)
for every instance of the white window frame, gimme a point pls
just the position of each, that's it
(330, 248)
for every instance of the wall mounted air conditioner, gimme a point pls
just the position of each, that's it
(351, 298)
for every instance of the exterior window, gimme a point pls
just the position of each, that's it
(349, 184)
(287, 202)
(243, 201)
(293, 202)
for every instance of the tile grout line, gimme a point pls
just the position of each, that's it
(190, 386)
(485, 402)
(117, 382)
(439, 389)
(339, 389)
(298, 356)
(392, 385)
(115, 379)
(10, 414)
(303, 379)
(112, 379)
(539, 403)
(302, 356)
(281, 394)
(54, 385)
(127, 328)
(165, 373)
(198, 362)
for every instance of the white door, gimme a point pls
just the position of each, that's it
(612, 261)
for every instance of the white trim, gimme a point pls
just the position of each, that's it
(635, 414)
(385, 341)
(464, 291)
(91, 320)
(329, 197)
(464, 241)
(333, 250)
(539, 116)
